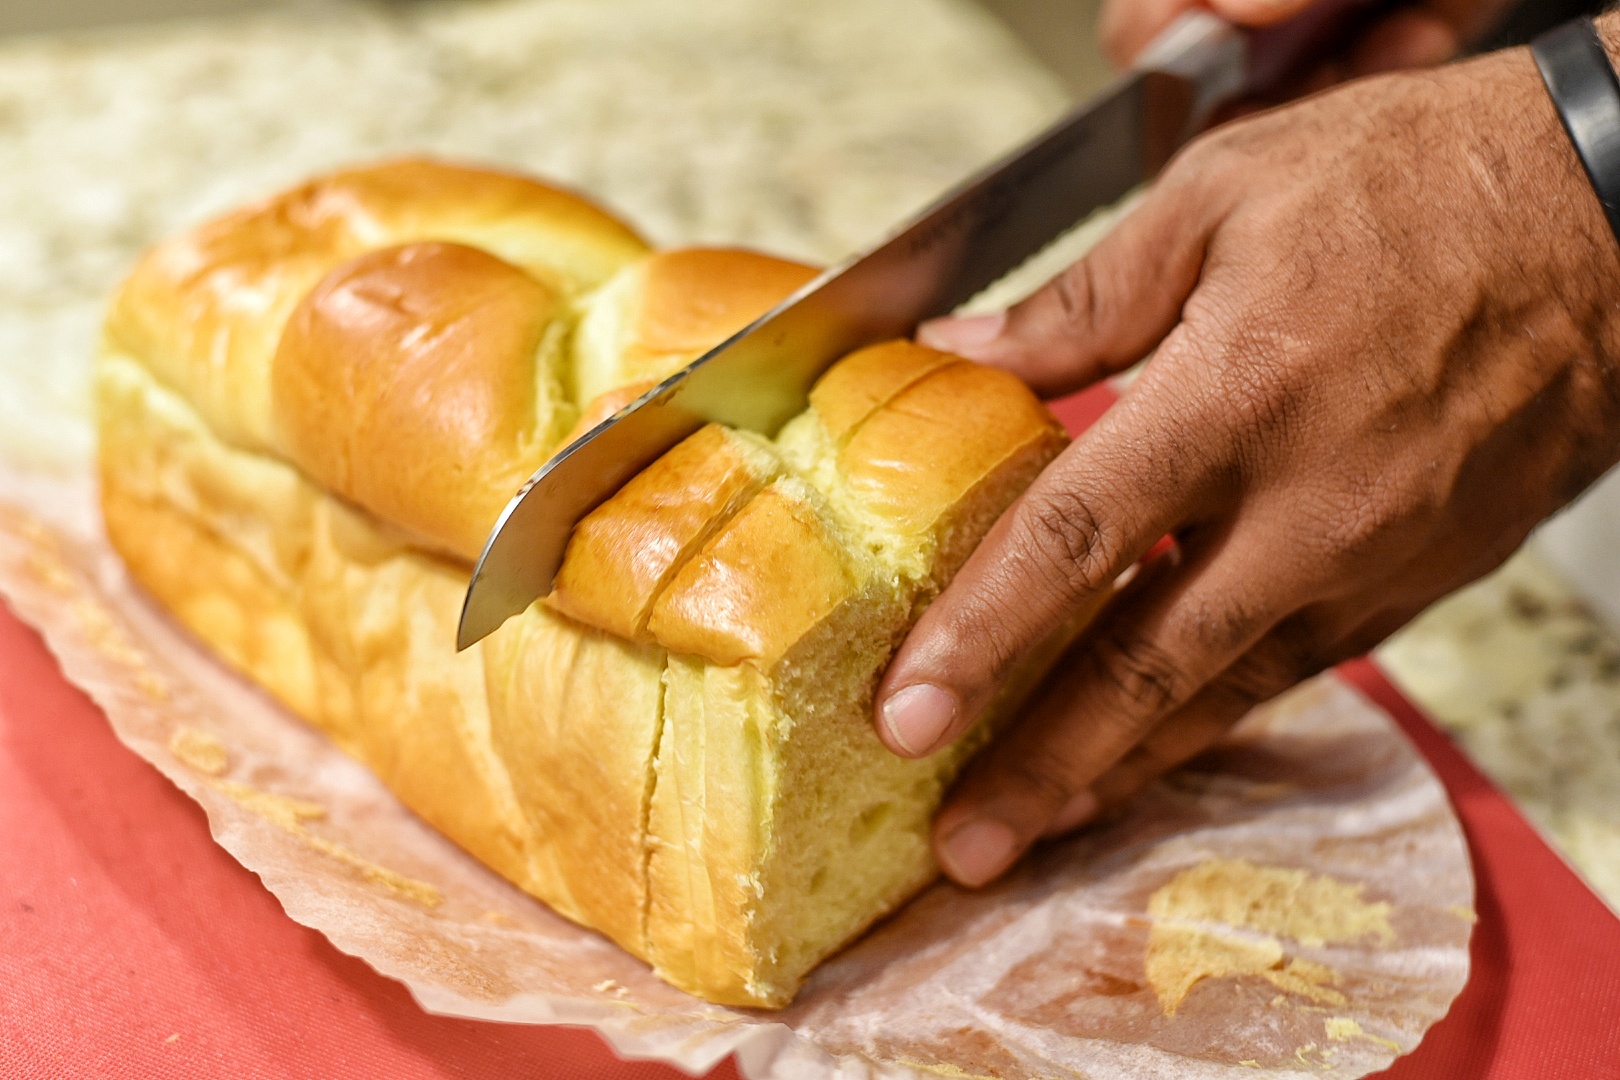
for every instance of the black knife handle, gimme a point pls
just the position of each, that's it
(1586, 93)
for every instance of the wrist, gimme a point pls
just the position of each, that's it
(1555, 230)
(1585, 206)
(1555, 253)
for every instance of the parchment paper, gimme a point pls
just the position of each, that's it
(804, 129)
(1314, 860)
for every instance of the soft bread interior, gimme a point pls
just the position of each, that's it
(662, 312)
(782, 826)
(311, 412)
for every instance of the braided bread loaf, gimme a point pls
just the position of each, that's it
(311, 412)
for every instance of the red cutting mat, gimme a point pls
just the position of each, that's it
(131, 945)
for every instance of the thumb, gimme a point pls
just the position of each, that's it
(1103, 313)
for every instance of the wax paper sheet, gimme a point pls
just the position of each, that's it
(1297, 901)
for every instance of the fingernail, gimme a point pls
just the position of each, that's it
(979, 851)
(918, 716)
(1081, 808)
(962, 334)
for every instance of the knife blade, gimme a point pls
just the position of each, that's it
(761, 376)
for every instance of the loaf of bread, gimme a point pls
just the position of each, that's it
(311, 412)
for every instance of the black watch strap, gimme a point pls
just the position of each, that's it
(1586, 92)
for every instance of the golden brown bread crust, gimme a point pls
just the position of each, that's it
(694, 297)
(908, 434)
(914, 464)
(204, 311)
(619, 561)
(308, 411)
(420, 382)
(868, 378)
(664, 311)
(577, 715)
(757, 588)
(333, 615)
(604, 406)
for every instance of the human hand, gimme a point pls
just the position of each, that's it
(1385, 343)
(1414, 33)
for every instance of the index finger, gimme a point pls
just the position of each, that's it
(1129, 480)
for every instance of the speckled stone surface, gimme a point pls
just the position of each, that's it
(1527, 679)
(805, 128)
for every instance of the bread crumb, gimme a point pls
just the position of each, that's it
(1466, 914)
(107, 637)
(172, 1038)
(1307, 979)
(1228, 917)
(290, 814)
(285, 813)
(200, 751)
(943, 1069)
(1343, 1028)
(50, 572)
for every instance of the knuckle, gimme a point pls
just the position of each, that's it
(1290, 654)
(1253, 360)
(1078, 295)
(1218, 160)
(1152, 757)
(1139, 674)
(1222, 623)
(1372, 514)
(1357, 525)
(1041, 779)
(1066, 543)
(1203, 160)
(991, 632)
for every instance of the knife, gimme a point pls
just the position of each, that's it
(760, 377)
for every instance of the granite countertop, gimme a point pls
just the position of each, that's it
(1526, 677)
(800, 128)
(805, 129)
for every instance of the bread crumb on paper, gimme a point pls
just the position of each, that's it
(49, 571)
(1228, 917)
(1323, 1059)
(200, 751)
(107, 637)
(944, 1069)
(1307, 979)
(1343, 1029)
(290, 814)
